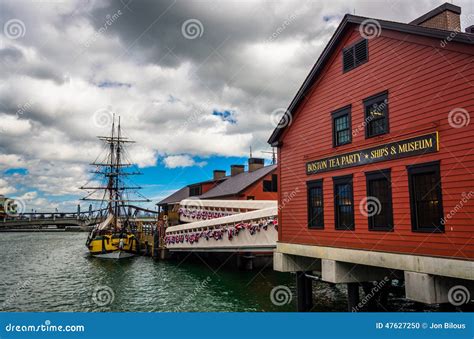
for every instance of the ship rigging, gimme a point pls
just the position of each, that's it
(112, 187)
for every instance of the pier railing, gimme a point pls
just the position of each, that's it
(255, 231)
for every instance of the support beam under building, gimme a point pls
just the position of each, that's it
(432, 289)
(338, 272)
(352, 296)
(304, 292)
(294, 263)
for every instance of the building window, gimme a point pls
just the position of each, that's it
(376, 115)
(275, 182)
(379, 201)
(315, 204)
(343, 203)
(271, 185)
(195, 190)
(341, 126)
(355, 55)
(425, 197)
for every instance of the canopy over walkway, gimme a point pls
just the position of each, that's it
(254, 230)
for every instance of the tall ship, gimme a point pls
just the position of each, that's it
(112, 189)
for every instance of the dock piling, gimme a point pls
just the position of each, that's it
(304, 292)
(352, 296)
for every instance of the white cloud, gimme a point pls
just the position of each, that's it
(11, 161)
(174, 161)
(163, 85)
(5, 188)
(14, 126)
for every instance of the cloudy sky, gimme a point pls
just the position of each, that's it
(196, 83)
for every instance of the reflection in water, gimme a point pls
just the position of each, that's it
(53, 272)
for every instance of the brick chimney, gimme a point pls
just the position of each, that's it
(255, 164)
(236, 169)
(218, 174)
(447, 17)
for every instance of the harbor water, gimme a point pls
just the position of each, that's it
(54, 272)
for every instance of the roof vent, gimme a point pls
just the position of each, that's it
(355, 55)
(447, 17)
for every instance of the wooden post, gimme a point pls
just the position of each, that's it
(304, 292)
(352, 296)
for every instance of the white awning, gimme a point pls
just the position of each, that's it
(247, 204)
(231, 219)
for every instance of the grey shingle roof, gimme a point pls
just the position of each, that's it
(183, 193)
(177, 196)
(236, 184)
(229, 186)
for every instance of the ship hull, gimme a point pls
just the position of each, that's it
(113, 246)
(114, 255)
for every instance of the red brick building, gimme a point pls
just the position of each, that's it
(378, 142)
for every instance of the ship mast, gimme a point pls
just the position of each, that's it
(113, 169)
(117, 194)
(110, 183)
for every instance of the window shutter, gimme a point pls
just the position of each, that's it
(360, 51)
(348, 59)
(355, 55)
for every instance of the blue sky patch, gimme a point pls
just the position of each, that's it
(226, 115)
(113, 84)
(11, 171)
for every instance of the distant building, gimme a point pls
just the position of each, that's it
(258, 183)
(7, 206)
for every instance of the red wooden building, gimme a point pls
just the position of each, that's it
(378, 143)
(259, 182)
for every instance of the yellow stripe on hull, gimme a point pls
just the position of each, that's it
(109, 243)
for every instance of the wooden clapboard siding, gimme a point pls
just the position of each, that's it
(256, 190)
(424, 82)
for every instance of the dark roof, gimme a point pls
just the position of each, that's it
(331, 47)
(236, 184)
(183, 193)
(444, 7)
(176, 197)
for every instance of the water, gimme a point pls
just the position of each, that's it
(53, 272)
